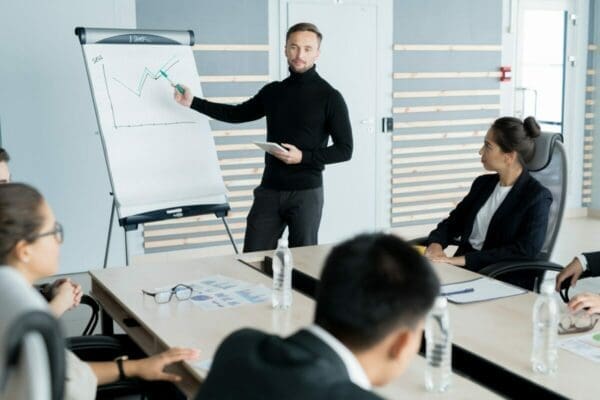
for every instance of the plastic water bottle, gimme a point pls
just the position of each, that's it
(544, 354)
(282, 276)
(438, 372)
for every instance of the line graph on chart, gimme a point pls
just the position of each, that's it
(149, 74)
(142, 97)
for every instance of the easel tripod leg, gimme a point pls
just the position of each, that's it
(230, 236)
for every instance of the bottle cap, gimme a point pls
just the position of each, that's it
(547, 287)
(440, 302)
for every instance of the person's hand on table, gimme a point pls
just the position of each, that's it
(434, 250)
(152, 368)
(572, 271)
(292, 156)
(590, 301)
(184, 99)
(458, 261)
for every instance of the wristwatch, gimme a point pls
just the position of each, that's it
(119, 360)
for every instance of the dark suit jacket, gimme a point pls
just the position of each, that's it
(252, 365)
(593, 264)
(517, 229)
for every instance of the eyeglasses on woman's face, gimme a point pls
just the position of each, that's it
(57, 232)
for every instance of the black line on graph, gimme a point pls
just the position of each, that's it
(112, 110)
(147, 73)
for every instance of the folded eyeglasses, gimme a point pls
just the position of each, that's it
(180, 291)
(574, 322)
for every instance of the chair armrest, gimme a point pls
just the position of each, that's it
(508, 266)
(103, 348)
(532, 267)
(93, 321)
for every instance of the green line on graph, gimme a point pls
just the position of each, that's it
(147, 73)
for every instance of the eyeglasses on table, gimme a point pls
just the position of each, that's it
(180, 291)
(574, 322)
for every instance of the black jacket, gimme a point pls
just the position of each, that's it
(593, 264)
(252, 365)
(517, 229)
(303, 110)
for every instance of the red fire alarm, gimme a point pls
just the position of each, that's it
(505, 74)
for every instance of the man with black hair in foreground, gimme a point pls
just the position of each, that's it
(374, 293)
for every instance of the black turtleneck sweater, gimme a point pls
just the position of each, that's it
(303, 110)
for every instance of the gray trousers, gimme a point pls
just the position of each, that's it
(273, 210)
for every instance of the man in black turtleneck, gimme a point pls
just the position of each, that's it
(302, 112)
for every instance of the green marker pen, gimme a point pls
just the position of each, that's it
(177, 86)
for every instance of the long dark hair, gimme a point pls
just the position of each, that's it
(512, 134)
(20, 217)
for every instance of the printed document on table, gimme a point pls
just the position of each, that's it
(586, 346)
(479, 289)
(218, 292)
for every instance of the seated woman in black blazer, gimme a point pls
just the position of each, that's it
(504, 216)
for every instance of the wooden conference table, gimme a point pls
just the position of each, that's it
(157, 327)
(492, 339)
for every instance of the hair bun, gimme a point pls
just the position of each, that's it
(532, 128)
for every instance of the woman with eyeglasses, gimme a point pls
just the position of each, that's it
(505, 215)
(583, 266)
(30, 241)
(62, 294)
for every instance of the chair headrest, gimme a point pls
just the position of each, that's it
(544, 145)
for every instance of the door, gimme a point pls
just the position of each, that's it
(348, 63)
(543, 59)
(551, 66)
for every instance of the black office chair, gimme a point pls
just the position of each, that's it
(107, 348)
(95, 312)
(34, 358)
(549, 167)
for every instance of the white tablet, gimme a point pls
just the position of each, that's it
(271, 147)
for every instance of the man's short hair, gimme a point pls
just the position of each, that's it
(4, 157)
(304, 27)
(371, 285)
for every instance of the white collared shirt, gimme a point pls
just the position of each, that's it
(356, 372)
(485, 214)
(583, 260)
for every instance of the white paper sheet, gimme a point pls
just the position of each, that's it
(587, 345)
(159, 153)
(479, 289)
(218, 292)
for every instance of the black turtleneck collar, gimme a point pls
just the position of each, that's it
(305, 76)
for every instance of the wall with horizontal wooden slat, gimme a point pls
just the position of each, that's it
(446, 93)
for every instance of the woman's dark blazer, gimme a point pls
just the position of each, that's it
(517, 229)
